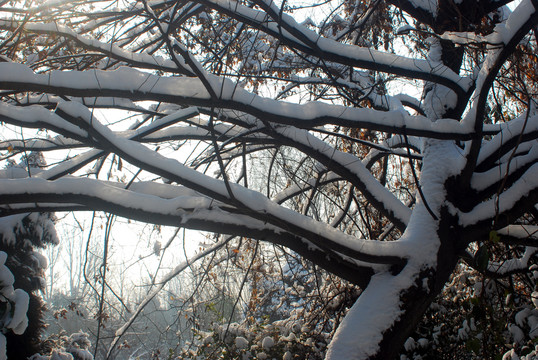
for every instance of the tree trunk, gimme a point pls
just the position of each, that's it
(416, 300)
(389, 309)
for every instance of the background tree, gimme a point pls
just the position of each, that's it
(352, 108)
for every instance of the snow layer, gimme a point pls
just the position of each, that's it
(513, 264)
(241, 342)
(506, 32)
(6, 276)
(268, 342)
(113, 50)
(520, 231)
(105, 192)
(34, 116)
(438, 100)
(8, 225)
(481, 181)
(509, 130)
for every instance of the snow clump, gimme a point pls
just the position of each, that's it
(241, 342)
(268, 342)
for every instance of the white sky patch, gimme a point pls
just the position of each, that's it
(132, 260)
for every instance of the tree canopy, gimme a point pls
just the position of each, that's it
(384, 141)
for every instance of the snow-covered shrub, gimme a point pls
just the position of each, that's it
(292, 312)
(13, 306)
(73, 347)
(259, 341)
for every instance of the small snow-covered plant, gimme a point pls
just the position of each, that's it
(73, 347)
(278, 340)
(292, 312)
(13, 306)
(78, 345)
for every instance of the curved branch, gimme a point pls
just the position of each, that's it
(193, 212)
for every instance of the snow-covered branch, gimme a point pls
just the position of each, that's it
(129, 83)
(306, 40)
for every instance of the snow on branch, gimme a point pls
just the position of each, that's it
(510, 266)
(506, 167)
(14, 305)
(525, 188)
(506, 140)
(140, 60)
(136, 85)
(39, 117)
(173, 206)
(516, 27)
(302, 38)
(48, 100)
(351, 168)
(520, 231)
